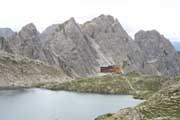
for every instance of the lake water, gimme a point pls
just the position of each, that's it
(40, 104)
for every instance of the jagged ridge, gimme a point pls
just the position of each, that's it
(81, 49)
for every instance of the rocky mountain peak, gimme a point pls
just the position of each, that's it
(153, 42)
(101, 22)
(25, 42)
(114, 42)
(104, 24)
(159, 51)
(151, 35)
(70, 48)
(71, 26)
(107, 18)
(29, 27)
(102, 41)
(29, 32)
(71, 20)
(63, 27)
(6, 32)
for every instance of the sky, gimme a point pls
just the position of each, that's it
(134, 15)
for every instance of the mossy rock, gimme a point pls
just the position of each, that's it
(105, 116)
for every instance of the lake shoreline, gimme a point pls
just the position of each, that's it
(61, 105)
(139, 86)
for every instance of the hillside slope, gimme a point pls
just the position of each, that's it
(163, 105)
(17, 71)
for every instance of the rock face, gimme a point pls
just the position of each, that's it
(80, 50)
(6, 32)
(159, 52)
(26, 42)
(70, 45)
(114, 42)
(117, 45)
(2, 43)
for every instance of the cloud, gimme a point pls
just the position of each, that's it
(134, 15)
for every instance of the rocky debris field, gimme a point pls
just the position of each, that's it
(18, 71)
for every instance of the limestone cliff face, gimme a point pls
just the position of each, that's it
(80, 50)
(115, 43)
(159, 52)
(150, 53)
(71, 46)
(26, 43)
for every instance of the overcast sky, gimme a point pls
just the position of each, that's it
(162, 15)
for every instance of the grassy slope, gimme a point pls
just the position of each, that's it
(163, 105)
(166, 102)
(162, 94)
(139, 86)
(103, 85)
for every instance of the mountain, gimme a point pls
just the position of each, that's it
(71, 46)
(6, 32)
(114, 42)
(81, 49)
(26, 43)
(159, 52)
(133, 55)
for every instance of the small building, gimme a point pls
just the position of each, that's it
(112, 69)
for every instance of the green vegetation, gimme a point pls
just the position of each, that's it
(162, 94)
(162, 105)
(104, 116)
(104, 85)
(178, 78)
(166, 102)
(141, 86)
